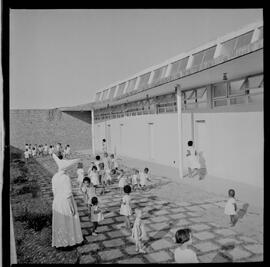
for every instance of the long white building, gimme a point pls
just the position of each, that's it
(212, 95)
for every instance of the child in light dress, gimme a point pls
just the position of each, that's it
(138, 231)
(96, 214)
(67, 151)
(113, 162)
(231, 207)
(192, 161)
(51, 150)
(135, 180)
(104, 145)
(203, 169)
(80, 173)
(90, 168)
(45, 149)
(107, 165)
(34, 152)
(26, 155)
(125, 208)
(122, 181)
(102, 177)
(144, 177)
(88, 191)
(182, 254)
(94, 177)
(97, 161)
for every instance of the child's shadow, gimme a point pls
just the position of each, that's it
(242, 212)
(222, 255)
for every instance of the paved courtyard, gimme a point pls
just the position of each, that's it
(213, 239)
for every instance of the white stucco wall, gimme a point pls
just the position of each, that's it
(234, 145)
(232, 142)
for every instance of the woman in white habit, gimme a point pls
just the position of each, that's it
(66, 227)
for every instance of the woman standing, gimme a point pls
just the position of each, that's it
(66, 227)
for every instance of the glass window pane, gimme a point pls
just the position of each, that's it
(159, 74)
(209, 54)
(218, 103)
(144, 80)
(178, 66)
(201, 93)
(244, 39)
(131, 85)
(97, 96)
(220, 89)
(190, 94)
(255, 81)
(228, 47)
(260, 33)
(121, 89)
(197, 58)
(238, 100)
(105, 94)
(237, 87)
(112, 91)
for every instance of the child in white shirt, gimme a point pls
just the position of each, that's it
(144, 177)
(34, 152)
(97, 161)
(67, 151)
(122, 181)
(94, 177)
(114, 164)
(182, 254)
(45, 149)
(96, 214)
(192, 161)
(231, 207)
(26, 155)
(125, 208)
(51, 150)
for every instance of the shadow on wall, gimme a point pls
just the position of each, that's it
(81, 115)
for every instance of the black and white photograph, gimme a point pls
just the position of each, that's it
(136, 136)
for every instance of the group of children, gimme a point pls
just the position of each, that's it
(33, 151)
(102, 172)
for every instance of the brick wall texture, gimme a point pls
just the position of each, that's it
(50, 126)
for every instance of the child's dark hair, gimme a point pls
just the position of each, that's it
(231, 192)
(104, 140)
(190, 143)
(112, 156)
(60, 156)
(127, 189)
(86, 179)
(137, 171)
(146, 170)
(97, 157)
(113, 171)
(94, 168)
(182, 235)
(94, 201)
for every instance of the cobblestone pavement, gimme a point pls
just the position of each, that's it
(212, 241)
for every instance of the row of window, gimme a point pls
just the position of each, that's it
(241, 91)
(207, 55)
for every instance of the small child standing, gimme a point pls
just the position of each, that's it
(231, 207)
(182, 254)
(202, 170)
(144, 177)
(125, 208)
(97, 161)
(94, 177)
(34, 152)
(192, 162)
(122, 181)
(50, 150)
(45, 150)
(80, 173)
(102, 177)
(26, 155)
(113, 162)
(88, 191)
(96, 214)
(138, 231)
(135, 179)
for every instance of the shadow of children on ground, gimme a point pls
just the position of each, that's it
(222, 255)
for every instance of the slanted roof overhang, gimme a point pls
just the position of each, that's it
(237, 67)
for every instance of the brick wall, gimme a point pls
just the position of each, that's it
(50, 126)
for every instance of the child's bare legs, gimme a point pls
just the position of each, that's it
(94, 228)
(233, 220)
(127, 222)
(139, 246)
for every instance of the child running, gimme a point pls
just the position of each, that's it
(182, 254)
(231, 207)
(138, 231)
(96, 214)
(125, 208)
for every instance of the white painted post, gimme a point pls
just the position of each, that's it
(93, 132)
(179, 122)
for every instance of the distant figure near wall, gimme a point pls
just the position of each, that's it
(104, 146)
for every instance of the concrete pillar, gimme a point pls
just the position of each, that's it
(93, 132)
(179, 123)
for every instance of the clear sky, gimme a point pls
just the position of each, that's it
(60, 58)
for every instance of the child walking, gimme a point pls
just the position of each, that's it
(182, 254)
(138, 231)
(88, 191)
(96, 214)
(125, 208)
(231, 207)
